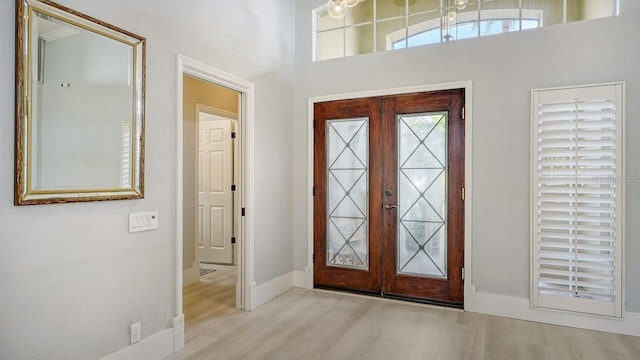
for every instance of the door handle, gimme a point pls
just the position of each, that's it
(388, 207)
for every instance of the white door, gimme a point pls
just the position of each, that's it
(215, 198)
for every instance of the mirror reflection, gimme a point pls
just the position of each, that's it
(82, 112)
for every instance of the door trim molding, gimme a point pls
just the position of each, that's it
(188, 66)
(215, 111)
(468, 206)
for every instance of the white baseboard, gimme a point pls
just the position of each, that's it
(518, 308)
(178, 333)
(303, 279)
(192, 274)
(271, 289)
(155, 347)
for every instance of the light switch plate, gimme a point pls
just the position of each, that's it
(143, 221)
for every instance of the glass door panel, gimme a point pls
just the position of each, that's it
(347, 200)
(422, 194)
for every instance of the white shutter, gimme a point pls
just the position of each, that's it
(125, 156)
(577, 201)
(126, 182)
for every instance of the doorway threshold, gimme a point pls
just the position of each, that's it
(430, 303)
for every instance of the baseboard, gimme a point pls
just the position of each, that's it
(303, 279)
(271, 289)
(192, 274)
(154, 347)
(519, 308)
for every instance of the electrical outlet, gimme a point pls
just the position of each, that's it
(136, 332)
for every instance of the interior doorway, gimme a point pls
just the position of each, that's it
(389, 196)
(211, 169)
(244, 92)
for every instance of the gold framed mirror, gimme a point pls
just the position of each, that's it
(80, 90)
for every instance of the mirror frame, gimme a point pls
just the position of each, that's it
(24, 194)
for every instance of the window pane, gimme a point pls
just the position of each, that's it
(326, 22)
(361, 13)
(391, 34)
(499, 16)
(331, 44)
(424, 29)
(420, 6)
(424, 21)
(359, 40)
(589, 9)
(386, 9)
(503, 4)
(548, 12)
(466, 25)
(530, 24)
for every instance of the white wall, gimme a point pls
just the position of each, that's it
(503, 68)
(73, 279)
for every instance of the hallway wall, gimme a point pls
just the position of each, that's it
(73, 278)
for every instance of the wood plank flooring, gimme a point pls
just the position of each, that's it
(310, 324)
(213, 296)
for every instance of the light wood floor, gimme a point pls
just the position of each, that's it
(310, 324)
(210, 298)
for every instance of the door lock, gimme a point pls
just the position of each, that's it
(389, 192)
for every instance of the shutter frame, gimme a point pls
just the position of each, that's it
(553, 192)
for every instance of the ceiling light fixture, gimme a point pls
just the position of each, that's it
(451, 16)
(461, 4)
(337, 9)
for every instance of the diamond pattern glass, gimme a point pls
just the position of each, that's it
(347, 201)
(422, 190)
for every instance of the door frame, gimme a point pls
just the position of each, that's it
(468, 206)
(245, 243)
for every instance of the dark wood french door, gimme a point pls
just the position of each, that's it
(389, 196)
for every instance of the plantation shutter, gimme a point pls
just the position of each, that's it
(577, 189)
(125, 156)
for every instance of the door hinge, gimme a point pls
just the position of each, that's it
(233, 239)
(462, 194)
(233, 134)
(314, 258)
(462, 112)
(314, 191)
(233, 188)
(314, 123)
(242, 212)
(462, 273)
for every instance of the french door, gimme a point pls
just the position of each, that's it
(389, 196)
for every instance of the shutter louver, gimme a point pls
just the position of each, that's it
(125, 156)
(577, 192)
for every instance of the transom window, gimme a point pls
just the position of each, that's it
(381, 25)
